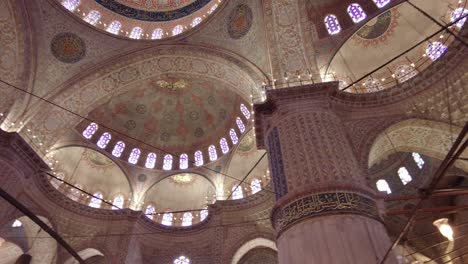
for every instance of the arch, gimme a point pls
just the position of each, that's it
(9, 251)
(430, 138)
(85, 254)
(254, 243)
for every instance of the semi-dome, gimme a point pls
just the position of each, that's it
(152, 19)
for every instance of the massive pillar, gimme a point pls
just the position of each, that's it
(324, 212)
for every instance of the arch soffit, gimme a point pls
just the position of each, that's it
(251, 244)
(431, 138)
(119, 75)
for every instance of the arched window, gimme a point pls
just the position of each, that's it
(382, 186)
(404, 175)
(198, 158)
(56, 182)
(245, 111)
(213, 8)
(435, 50)
(224, 145)
(405, 72)
(167, 162)
(136, 33)
(114, 27)
(418, 159)
(17, 223)
(182, 260)
(96, 200)
(167, 219)
(150, 211)
(104, 140)
(118, 149)
(187, 219)
(381, 3)
(75, 192)
(203, 214)
(71, 5)
(157, 33)
(373, 85)
(177, 30)
(134, 156)
(90, 130)
(237, 192)
(150, 161)
(255, 186)
(458, 13)
(240, 124)
(356, 13)
(196, 21)
(93, 17)
(332, 24)
(212, 153)
(183, 161)
(118, 202)
(233, 135)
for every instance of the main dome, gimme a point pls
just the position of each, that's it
(143, 19)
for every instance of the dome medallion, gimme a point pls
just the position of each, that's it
(143, 19)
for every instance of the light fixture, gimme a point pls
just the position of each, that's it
(444, 228)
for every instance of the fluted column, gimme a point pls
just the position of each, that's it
(324, 212)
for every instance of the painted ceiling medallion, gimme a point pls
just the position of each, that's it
(240, 21)
(247, 143)
(68, 47)
(97, 159)
(379, 29)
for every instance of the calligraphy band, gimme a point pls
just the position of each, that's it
(319, 204)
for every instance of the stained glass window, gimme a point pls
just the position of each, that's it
(187, 219)
(157, 34)
(237, 192)
(92, 17)
(224, 145)
(382, 186)
(332, 24)
(167, 219)
(118, 149)
(183, 161)
(71, 5)
(150, 211)
(212, 153)
(196, 21)
(356, 13)
(233, 135)
(198, 158)
(104, 140)
(150, 161)
(182, 260)
(256, 186)
(90, 130)
(240, 124)
(404, 175)
(458, 13)
(435, 50)
(114, 27)
(373, 85)
(167, 162)
(177, 30)
(245, 111)
(118, 202)
(203, 214)
(381, 3)
(96, 200)
(17, 223)
(136, 33)
(418, 159)
(134, 156)
(405, 72)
